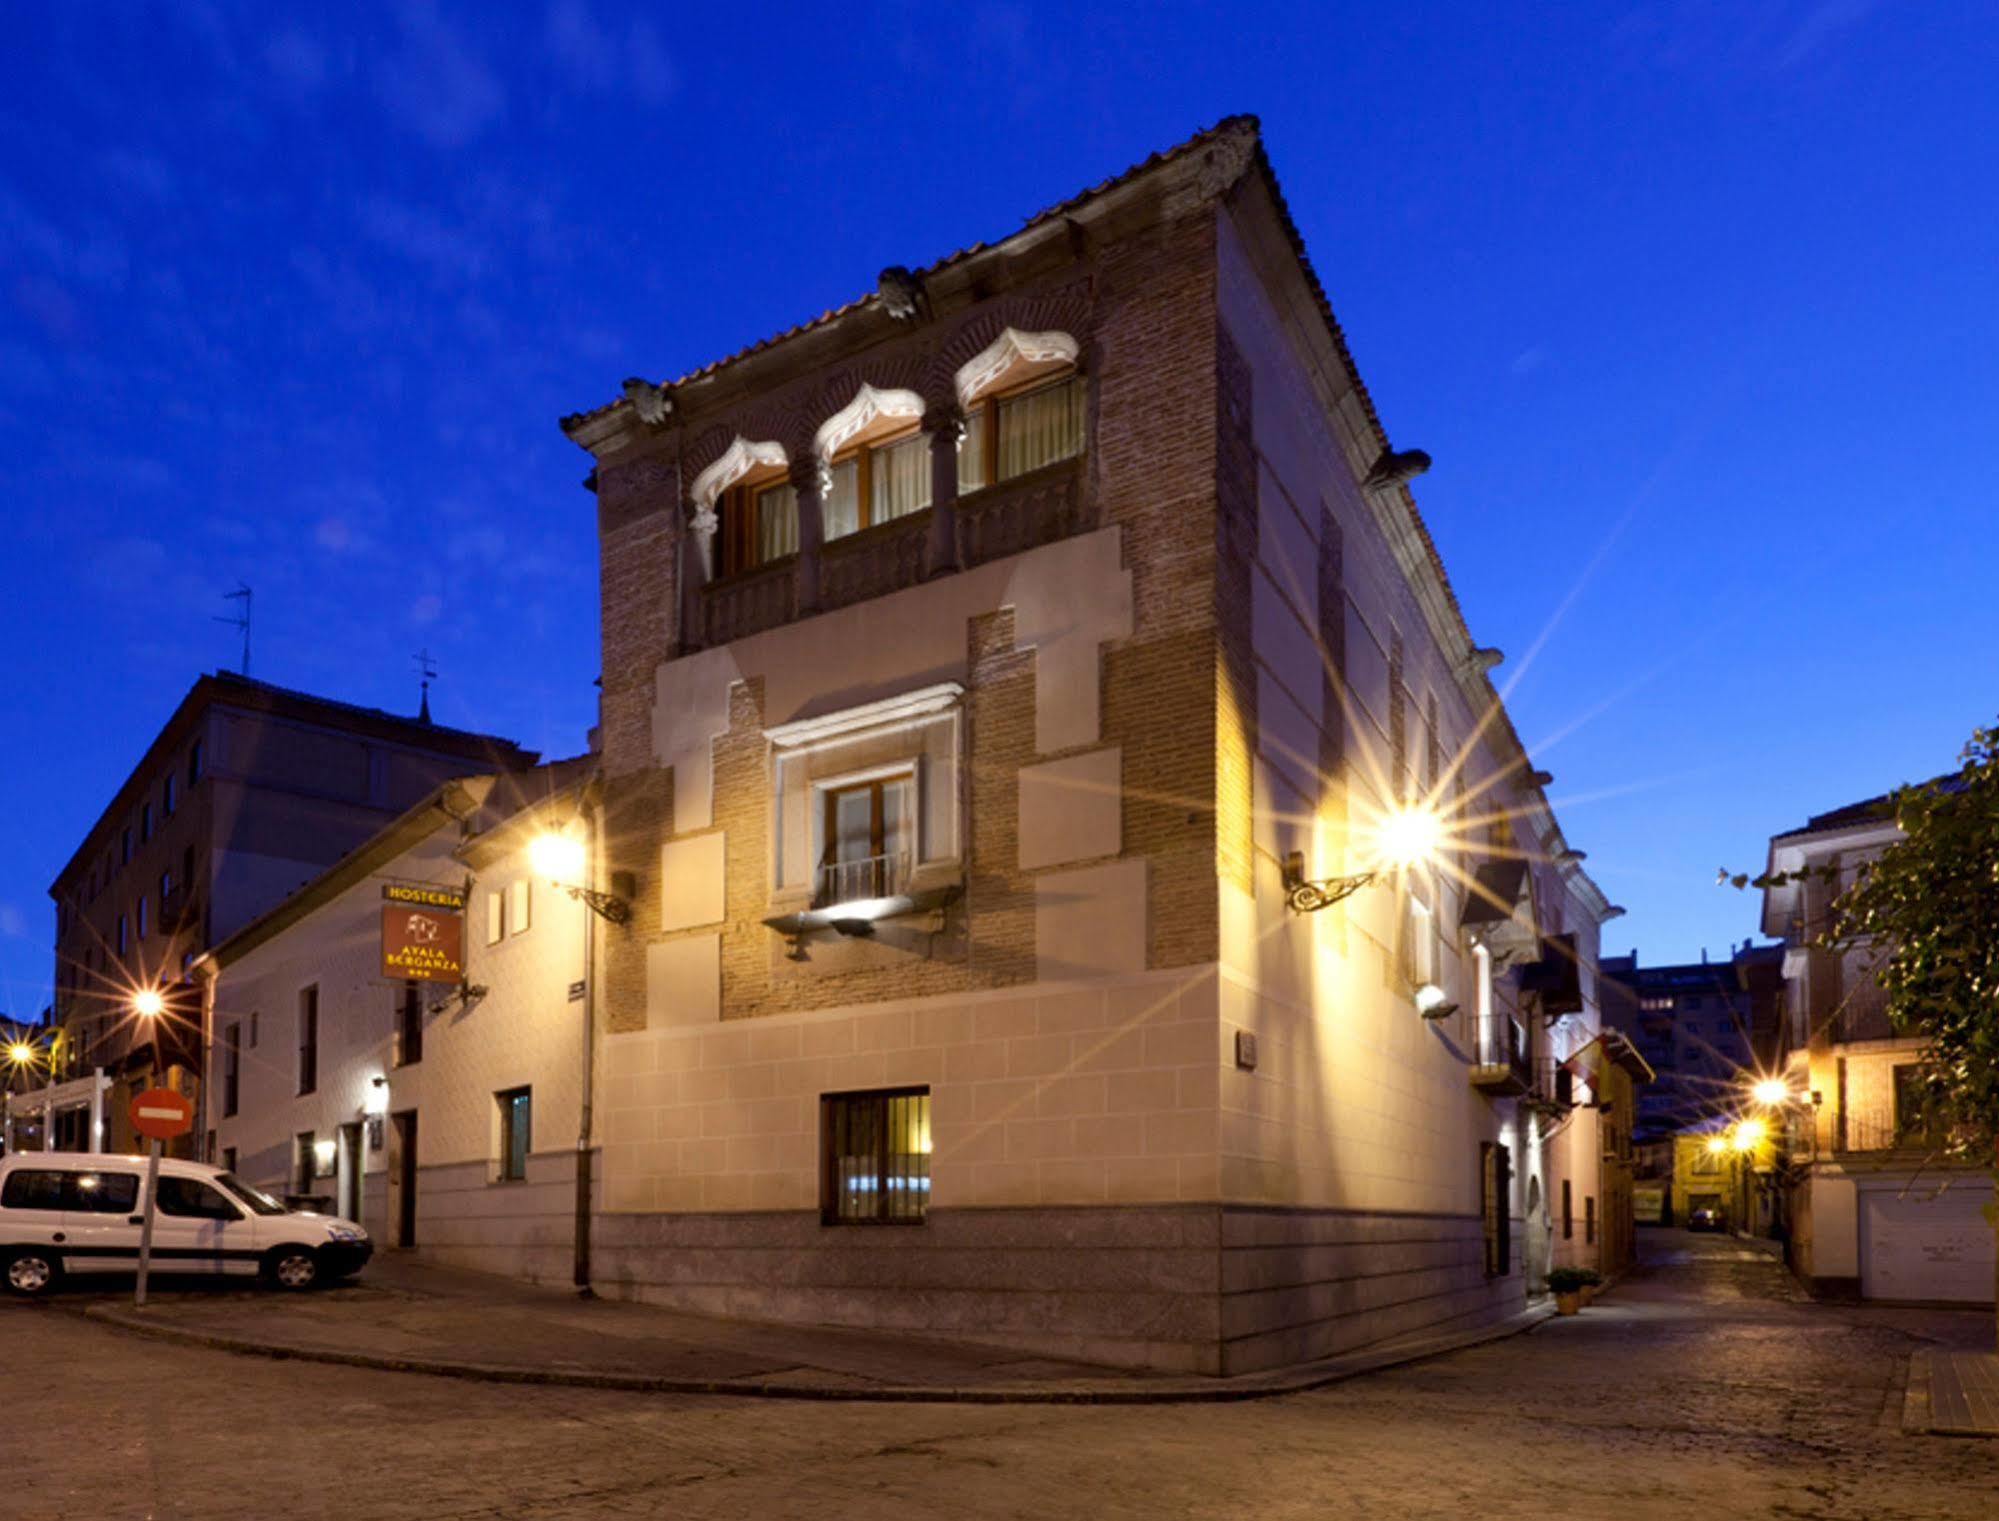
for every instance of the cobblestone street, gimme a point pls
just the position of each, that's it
(1703, 1383)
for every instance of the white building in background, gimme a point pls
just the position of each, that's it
(442, 1116)
(1875, 1213)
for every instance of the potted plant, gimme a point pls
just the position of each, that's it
(1567, 1285)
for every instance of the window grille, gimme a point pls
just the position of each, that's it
(876, 1154)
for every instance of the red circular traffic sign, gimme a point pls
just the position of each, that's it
(160, 1114)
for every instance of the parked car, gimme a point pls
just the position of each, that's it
(1706, 1217)
(75, 1213)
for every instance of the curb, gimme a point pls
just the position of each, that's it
(1294, 1380)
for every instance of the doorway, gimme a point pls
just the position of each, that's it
(402, 1177)
(347, 1174)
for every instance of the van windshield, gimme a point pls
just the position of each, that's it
(256, 1200)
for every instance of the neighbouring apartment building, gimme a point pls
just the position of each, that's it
(990, 666)
(442, 1114)
(1874, 1210)
(247, 792)
(1706, 1028)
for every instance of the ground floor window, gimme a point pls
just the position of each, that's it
(1589, 1217)
(876, 1152)
(303, 1148)
(516, 1133)
(1495, 1195)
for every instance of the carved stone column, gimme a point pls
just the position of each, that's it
(810, 479)
(946, 429)
(697, 569)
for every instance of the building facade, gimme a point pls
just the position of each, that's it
(1705, 1028)
(443, 1115)
(247, 792)
(990, 668)
(1874, 1211)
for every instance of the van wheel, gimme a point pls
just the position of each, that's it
(32, 1272)
(292, 1268)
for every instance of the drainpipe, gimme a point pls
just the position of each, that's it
(586, 1103)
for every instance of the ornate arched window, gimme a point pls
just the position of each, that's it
(877, 459)
(1023, 403)
(751, 506)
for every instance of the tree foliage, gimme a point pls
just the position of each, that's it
(1925, 915)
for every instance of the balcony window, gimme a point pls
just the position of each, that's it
(867, 830)
(878, 484)
(1013, 435)
(875, 1158)
(759, 524)
(867, 806)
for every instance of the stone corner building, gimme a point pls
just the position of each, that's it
(974, 657)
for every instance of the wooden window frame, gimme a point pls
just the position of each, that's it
(736, 531)
(986, 407)
(829, 836)
(878, 1099)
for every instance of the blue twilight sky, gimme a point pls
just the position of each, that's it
(1696, 304)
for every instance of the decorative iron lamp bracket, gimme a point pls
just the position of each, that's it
(1305, 896)
(607, 906)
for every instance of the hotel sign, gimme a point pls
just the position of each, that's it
(423, 933)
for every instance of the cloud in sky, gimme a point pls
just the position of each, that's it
(595, 58)
(437, 84)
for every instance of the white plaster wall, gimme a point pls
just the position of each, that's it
(524, 1032)
(1356, 1102)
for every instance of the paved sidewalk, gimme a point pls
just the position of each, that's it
(414, 1317)
(1953, 1394)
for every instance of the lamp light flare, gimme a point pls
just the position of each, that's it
(21, 1054)
(558, 858)
(1772, 1091)
(1409, 837)
(148, 1004)
(1749, 1135)
(1717, 1145)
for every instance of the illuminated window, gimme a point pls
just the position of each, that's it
(876, 1163)
(759, 523)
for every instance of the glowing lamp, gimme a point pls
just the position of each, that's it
(1408, 837)
(147, 1003)
(1717, 1145)
(1771, 1091)
(1749, 1135)
(558, 858)
(21, 1054)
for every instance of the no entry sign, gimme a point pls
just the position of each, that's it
(160, 1114)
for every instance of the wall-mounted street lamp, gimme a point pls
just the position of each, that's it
(562, 859)
(1771, 1092)
(1405, 838)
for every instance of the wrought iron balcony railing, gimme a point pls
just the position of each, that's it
(857, 881)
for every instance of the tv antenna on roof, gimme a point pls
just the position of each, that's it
(426, 667)
(241, 620)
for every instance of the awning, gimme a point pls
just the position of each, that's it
(1497, 889)
(1555, 977)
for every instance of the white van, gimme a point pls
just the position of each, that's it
(64, 1212)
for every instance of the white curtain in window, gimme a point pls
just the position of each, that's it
(777, 523)
(1040, 428)
(899, 480)
(972, 455)
(841, 511)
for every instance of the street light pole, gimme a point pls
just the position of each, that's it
(572, 868)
